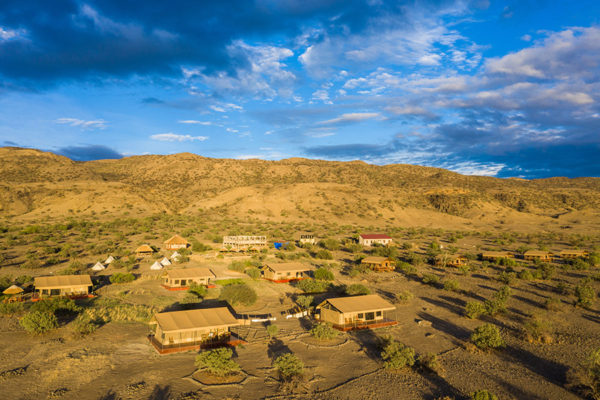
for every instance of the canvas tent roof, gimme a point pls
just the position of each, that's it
(175, 321)
(13, 289)
(369, 302)
(186, 273)
(536, 253)
(176, 239)
(61, 281)
(98, 267)
(109, 260)
(374, 260)
(156, 265)
(165, 261)
(573, 252)
(175, 255)
(290, 267)
(144, 249)
(375, 236)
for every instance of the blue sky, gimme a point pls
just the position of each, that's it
(479, 87)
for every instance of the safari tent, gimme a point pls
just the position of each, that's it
(494, 255)
(285, 272)
(356, 312)
(98, 267)
(374, 238)
(109, 260)
(183, 278)
(165, 262)
(307, 238)
(175, 256)
(176, 242)
(450, 259)
(572, 254)
(144, 250)
(193, 329)
(378, 263)
(62, 285)
(537, 255)
(156, 266)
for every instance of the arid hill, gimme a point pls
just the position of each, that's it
(38, 184)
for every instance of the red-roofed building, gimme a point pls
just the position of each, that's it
(374, 238)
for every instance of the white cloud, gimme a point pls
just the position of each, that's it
(350, 117)
(173, 137)
(8, 34)
(83, 124)
(195, 122)
(217, 108)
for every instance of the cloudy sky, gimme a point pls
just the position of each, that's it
(480, 87)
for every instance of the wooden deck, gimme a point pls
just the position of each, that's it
(366, 325)
(35, 297)
(232, 341)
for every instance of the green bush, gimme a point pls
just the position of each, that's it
(324, 331)
(11, 308)
(122, 277)
(487, 336)
(253, 273)
(288, 366)
(217, 362)
(323, 274)
(198, 290)
(404, 296)
(483, 395)
(507, 277)
(474, 309)
(430, 279)
(238, 294)
(58, 306)
(39, 322)
(585, 294)
(330, 244)
(525, 275)
(312, 286)
(324, 255)
(396, 355)
(304, 301)
(406, 268)
(357, 289)
(233, 281)
(451, 285)
(272, 330)
(84, 325)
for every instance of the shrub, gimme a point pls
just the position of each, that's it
(553, 304)
(429, 362)
(562, 288)
(546, 271)
(357, 289)
(525, 275)
(430, 279)
(487, 336)
(474, 309)
(238, 294)
(507, 277)
(537, 330)
(324, 331)
(253, 273)
(272, 330)
(585, 294)
(406, 268)
(217, 362)
(312, 286)
(122, 277)
(483, 395)
(39, 322)
(58, 306)
(324, 274)
(11, 308)
(198, 290)
(451, 285)
(304, 301)
(84, 325)
(330, 244)
(288, 366)
(395, 355)
(324, 255)
(233, 281)
(404, 296)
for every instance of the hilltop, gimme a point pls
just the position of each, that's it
(38, 184)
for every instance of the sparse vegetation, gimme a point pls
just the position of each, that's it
(324, 331)
(289, 366)
(238, 294)
(217, 362)
(487, 336)
(396, 355)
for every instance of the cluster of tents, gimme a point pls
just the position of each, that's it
(165, 261)
(102, 266)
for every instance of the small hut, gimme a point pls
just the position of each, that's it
(72, 286)
(378, 263)
(193, 329)
(109, 260)
(176, 242)
(98, 267)
(374, 238)
(356, 312)
(285, 272)
(144, 251)
(182, 279)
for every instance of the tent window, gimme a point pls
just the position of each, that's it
(361, 315)
(177, 281)
(378, 313)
